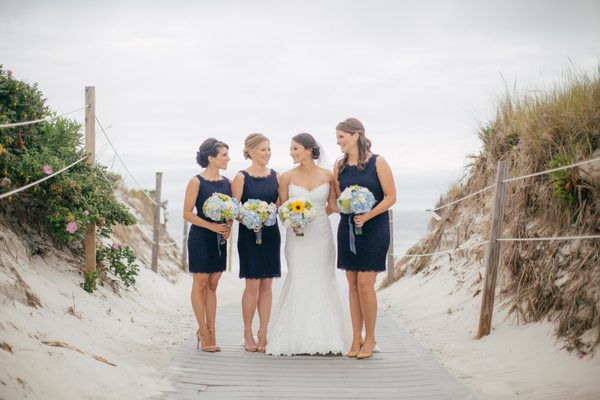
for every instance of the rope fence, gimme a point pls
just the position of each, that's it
(90, 116)
(433, 210)
(446, 251)
(534, 239)
(123, 162)
(37, 121)
(495, 239)
(551, 170)
(3, 195)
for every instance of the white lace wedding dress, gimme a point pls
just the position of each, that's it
(312, 317)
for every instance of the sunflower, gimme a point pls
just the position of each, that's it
(298, 206)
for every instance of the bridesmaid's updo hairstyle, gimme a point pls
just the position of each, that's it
(252, 142)
(209, 148)
(308, 142)
(354, 126)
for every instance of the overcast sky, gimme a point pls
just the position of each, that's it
(420, 75)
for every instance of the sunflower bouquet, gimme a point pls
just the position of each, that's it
(356, 200)
(221, 208)
(296, 213)
(255, 214)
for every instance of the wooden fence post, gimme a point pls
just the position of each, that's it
(493, 253)
(90, 148)
(155, 235)
(184, 246)
(390, 255)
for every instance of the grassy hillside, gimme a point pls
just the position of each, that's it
(558, 280)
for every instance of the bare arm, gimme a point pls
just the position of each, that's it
(237, 186)
(386, 179)
(332, 206)
(279, 202)
(191, 193)
(283, 187)
(335, 188)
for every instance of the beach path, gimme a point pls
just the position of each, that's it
(403, 369)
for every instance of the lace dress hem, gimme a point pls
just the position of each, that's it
(358, 269)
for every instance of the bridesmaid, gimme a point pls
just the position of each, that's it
(259, 264)
(359, 166)
(206, 257)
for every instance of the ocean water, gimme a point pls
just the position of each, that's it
(409, 227)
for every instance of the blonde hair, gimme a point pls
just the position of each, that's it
(252, 142)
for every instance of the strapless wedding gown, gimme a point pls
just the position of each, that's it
(312, 317)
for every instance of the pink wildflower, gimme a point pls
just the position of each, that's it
(115, 245)
(48, 169)
(72, 227)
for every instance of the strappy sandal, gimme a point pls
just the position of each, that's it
(259, 348)
(200, 343)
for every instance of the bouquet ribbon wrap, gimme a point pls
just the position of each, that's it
(351, 237)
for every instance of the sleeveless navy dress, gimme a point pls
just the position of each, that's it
(372, 245)
(260, 261)
(204, 253)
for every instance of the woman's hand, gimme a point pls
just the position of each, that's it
(222, 229)
(228, 233)
(359, 220)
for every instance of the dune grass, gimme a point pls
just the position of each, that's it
(536, 131)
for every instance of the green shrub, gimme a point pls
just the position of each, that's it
(120, 261)
(89, 281)
(68, 203)
(564, 182)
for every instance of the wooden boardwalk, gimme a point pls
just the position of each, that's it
(402, 370)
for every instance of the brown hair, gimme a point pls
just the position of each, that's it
(307, 141)
(354, 126)
(210, 147)
(252, 142)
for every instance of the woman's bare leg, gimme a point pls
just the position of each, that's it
(355, 312)
(249, 301)
(265, 300)
(368, 308)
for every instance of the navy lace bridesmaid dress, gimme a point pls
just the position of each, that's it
(259, 261)
(372, 245)
(205, 253)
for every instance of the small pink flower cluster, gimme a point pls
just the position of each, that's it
(72, 227)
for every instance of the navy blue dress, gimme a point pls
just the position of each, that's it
(205, 253)
(372, 245)
(259, 261)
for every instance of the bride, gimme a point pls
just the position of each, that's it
(312, 317)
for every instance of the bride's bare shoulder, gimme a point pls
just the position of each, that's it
(287, 175)
(326, 174)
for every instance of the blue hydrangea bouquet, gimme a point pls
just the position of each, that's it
(356, 200)
(220, 207)
(255, 214)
